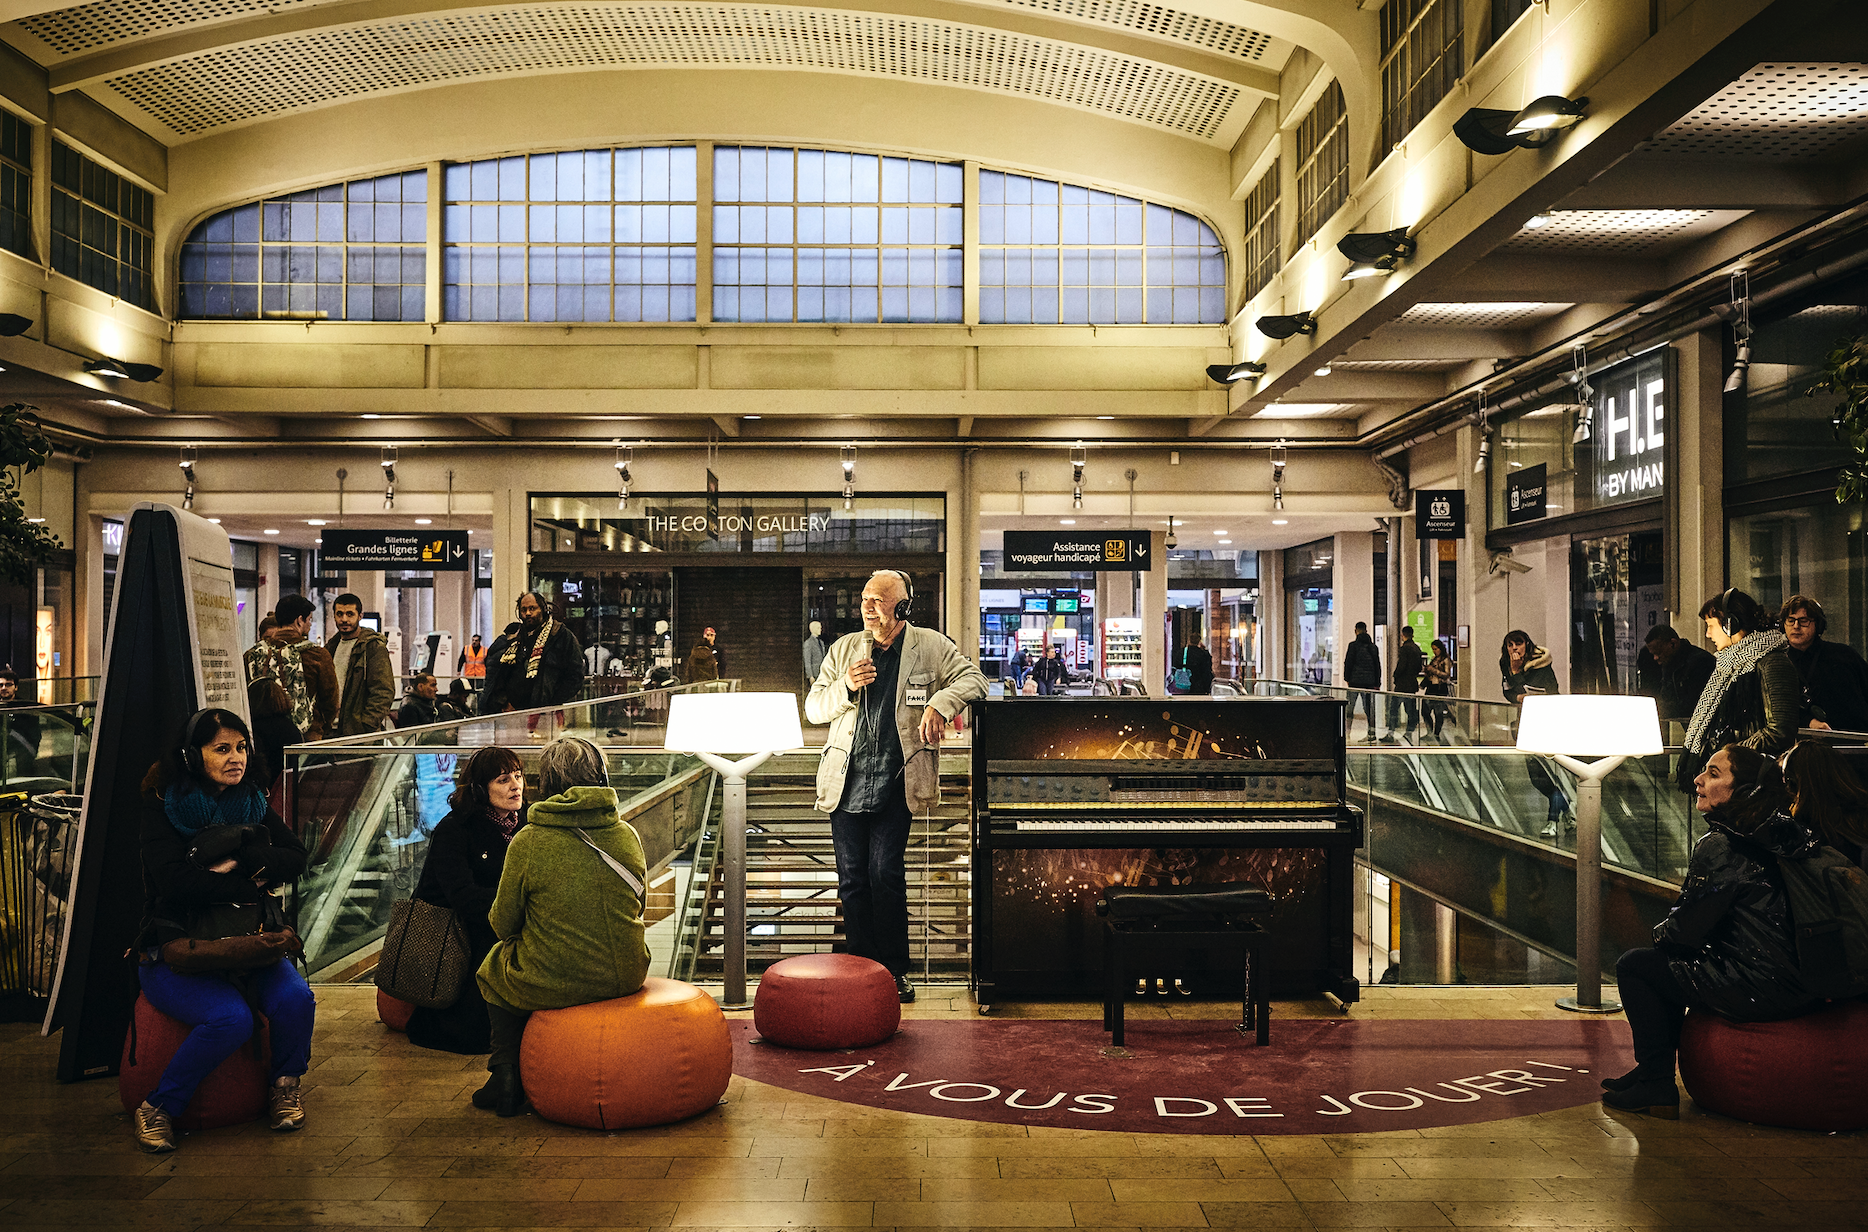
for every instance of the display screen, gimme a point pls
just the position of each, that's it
(1061, 604)
(1038, 605)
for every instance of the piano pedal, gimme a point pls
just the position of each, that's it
(1182, 989)
(1141, 987)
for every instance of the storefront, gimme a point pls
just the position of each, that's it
(1785, 532)
(644, 581)
(1310, 616)
(1576, 497)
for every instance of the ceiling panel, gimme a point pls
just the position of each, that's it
(1775, 112)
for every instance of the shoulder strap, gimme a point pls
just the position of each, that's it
(616, 866)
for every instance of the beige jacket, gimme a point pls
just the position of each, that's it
(929, 661)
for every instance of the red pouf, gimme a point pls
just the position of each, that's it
(394, 1011)
(1801, 1073)
(824, 1001)
(235, 1092)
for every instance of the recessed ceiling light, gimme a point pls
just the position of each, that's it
(1105, 416)
(752, 417)
(314, 521)
(424, 521)
(1280, 521)
(269, 532)
(35, 521)
(1222, 532)
(1225, 541)
(368, 416)
(1066, 521)
(1324, 370)
(216, 521)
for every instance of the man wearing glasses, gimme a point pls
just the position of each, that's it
(1833, 676)
(888, 694)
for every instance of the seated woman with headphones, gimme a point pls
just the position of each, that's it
(1727, 945)
(568, 912)
(1751, 698)
(213, 853)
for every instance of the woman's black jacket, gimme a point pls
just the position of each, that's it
(174, 888)
(466, 852)
(1729, 938)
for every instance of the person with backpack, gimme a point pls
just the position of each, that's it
(1193, 673)
(1728, 944)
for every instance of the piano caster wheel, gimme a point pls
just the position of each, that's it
(984, 1010)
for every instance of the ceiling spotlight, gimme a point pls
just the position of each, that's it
(1741, 331)
(389, 476)
(1283, 327)
(625, 454)
(1485, 453)
(1537, 222)
(1375, 252)
(1485, 130)
(1324, 370)
(1078, 456)
(12, 325)
(187, 463)
(1547, 114)
(1585, 396)
(848, 456)
(1232, 374)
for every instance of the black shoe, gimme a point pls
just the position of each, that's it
(904, 989)
(503, 1092)
(1629, 1079)
(1655, 1098)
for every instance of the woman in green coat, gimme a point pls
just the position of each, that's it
(569, 921)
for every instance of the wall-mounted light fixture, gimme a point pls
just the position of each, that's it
(12, 325)
(848, 454)
(1232, 374)
(624, 456)
(117, 369)
(1585, 395)
(1486, 130)
(389, 476)
(187, 464)
(1283, 327)
(1078, 456)
(1373, 253)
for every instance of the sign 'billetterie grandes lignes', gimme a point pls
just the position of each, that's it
(443, 550)
(1104, 551)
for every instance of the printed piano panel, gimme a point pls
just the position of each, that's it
(1095, 729)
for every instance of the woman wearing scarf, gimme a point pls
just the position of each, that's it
(199, 797)
(466, 854)
(1751, 699)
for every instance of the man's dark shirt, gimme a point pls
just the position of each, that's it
(1408, 661)
(875, 776)
(1682, 679)
(1834, 680)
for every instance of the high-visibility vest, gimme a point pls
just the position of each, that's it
(475, 667)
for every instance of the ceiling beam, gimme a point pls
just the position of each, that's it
(1521, 277)
(1646, 182)
(963, 426)
(498, 425)
(1435, 342)
(728, 424)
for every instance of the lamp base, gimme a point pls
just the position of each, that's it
(1572, 1004)
(746, 1005)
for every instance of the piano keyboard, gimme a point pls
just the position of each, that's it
(1174, 825)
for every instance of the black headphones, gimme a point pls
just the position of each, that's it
(904, 608)
(191, 754)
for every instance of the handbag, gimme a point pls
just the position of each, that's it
(425, 957)
(1183, 675)
(231, 938)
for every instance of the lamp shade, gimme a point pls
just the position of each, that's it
(1589, 726)
(733, 722)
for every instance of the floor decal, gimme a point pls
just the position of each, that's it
(1317, 1076)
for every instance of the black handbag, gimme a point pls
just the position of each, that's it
(425, 957)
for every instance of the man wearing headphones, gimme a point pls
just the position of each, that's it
(888, 694)
(1834, 678)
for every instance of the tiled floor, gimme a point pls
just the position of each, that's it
(393, 1143)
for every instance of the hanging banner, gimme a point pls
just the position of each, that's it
(370, 550)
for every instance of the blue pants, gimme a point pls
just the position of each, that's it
(223, 1021)
(873, 882)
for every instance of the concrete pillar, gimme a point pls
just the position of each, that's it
(367, 585)
(1154, 616)
(268, 593)
(512, 527)
(452, 590)
(963, 559)
(1445, 944)
(1271, 616)
(1697, 486)
(1352, 593)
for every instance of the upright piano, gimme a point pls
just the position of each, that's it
(1071, 795)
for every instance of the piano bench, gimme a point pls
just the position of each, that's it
(1153, 929)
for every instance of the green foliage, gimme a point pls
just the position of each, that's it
(1845, 374)
(24, 448)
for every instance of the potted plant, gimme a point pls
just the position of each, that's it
(24, 448)
(1845, 374)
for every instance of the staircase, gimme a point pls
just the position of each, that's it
(791, 875)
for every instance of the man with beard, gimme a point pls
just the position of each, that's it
(541, 664)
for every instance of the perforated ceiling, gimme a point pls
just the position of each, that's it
(91, 27)
(1510, 315)
(248, 82)
(1775, 112)
(1604, 232)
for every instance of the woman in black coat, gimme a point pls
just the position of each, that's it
(210, 842)
(1727, 945)
(466, 854)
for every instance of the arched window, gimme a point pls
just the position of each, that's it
(343, 252)
(1061, 254)
(818, 235)
(582, 235)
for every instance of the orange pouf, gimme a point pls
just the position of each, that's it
(658, 1055)
(825, 1001)
(394, 1011)
(233, 1093)
(1800, 1073)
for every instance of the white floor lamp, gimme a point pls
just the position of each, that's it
(709, 724)
(1610, 729)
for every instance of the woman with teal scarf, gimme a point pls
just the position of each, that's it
(209, 839)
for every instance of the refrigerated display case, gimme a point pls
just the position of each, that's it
(1122, 649)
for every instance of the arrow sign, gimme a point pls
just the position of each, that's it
(1121, 551)
(369, 550)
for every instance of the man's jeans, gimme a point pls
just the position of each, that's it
(872, 882)
(1396, 704)
(1368, 711)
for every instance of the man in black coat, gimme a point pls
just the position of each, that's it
(1833, 676)
(1408, 662)
(1362, 669)
(541, 664)
(1680, 673)
(1199, 664)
